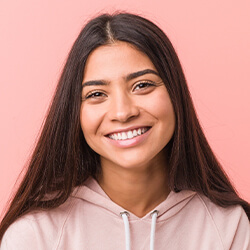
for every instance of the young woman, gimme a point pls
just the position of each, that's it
(122, 162)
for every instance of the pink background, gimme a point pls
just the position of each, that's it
(212, 39)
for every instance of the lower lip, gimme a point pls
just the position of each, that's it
(129, 142)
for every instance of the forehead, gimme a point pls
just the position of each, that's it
(115, 60)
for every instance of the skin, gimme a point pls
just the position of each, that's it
(133, 176)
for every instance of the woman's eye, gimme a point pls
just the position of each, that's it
(143, 85)
(95, 95)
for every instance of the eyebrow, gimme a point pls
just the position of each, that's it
(140, 73)
(128, 78)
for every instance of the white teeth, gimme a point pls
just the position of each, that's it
(124, 136)
(128, 135)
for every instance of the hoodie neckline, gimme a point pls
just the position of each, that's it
(92, 192)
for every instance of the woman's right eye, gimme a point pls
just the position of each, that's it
(95, 95)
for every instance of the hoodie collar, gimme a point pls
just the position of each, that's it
(92, 192)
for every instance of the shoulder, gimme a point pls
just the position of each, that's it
(38, 229)
(230, 223)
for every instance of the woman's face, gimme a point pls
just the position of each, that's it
(126, 114)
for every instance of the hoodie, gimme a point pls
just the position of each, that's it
(90, 220)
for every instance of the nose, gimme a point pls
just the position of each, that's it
(123, 108)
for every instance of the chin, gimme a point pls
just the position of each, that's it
(131, 162)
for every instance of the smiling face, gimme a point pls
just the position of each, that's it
(126, 115)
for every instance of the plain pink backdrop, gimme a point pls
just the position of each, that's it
(212, 39)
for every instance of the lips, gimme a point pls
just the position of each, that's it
(128, 134)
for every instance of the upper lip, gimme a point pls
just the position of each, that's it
(127, 129)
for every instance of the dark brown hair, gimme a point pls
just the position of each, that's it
(63, 160)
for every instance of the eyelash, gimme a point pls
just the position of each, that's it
(148, 83)
(94, 94)
(97, 94)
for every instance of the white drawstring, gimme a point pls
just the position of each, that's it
(153, 224)
(125, 216)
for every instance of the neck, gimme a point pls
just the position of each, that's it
(137, 191)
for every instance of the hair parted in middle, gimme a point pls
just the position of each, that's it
(62, 159)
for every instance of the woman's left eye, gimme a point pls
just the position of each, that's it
(143, 85)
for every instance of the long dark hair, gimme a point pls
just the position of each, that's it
(63, 160)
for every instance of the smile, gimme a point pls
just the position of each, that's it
(128, 134)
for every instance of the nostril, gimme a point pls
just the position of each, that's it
(125, 114)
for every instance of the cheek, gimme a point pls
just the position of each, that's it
(162, 108)
(166, 116)
(90, 120)
(166, 112)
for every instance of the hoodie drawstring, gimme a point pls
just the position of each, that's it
(153, 224)
(125, 216)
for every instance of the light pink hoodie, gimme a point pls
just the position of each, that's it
(89, 220)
